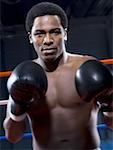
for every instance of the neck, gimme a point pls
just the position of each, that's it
(52, 65)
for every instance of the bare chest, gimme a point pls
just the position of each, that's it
(61, 89)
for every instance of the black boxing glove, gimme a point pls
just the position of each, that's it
(27, 82)
(106, 103)
(93, 80)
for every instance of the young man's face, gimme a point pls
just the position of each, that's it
(48, 37)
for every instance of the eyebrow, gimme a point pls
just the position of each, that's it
(51, 30)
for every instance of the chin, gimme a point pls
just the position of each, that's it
(49, 59)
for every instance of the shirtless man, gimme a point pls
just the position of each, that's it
(59, 92)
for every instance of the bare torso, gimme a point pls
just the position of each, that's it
(62, 120)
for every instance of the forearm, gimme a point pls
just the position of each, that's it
(14, 130)
(106, 106)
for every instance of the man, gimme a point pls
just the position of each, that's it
(59, 92)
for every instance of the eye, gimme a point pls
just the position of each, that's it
(39, 34)
(55, 32)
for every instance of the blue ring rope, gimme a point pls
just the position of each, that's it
(29, 135)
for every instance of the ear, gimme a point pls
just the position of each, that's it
(30, 39)
(65, 35)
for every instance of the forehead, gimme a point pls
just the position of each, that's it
(47, 21)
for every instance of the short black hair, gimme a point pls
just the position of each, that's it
(42, 9)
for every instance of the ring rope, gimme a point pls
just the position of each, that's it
(3, 102)
(5, 73)
(107, 61)
(29, 135)
(8, 73)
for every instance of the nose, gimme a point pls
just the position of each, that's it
(48, 39)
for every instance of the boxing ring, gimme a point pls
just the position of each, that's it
(29, 135)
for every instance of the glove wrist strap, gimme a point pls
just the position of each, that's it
(11, 115)
(17, 118)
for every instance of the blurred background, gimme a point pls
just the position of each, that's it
(90, 32)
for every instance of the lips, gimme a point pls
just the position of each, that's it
(48, 51)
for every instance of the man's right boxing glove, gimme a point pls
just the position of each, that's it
(93, 80)
(27, 83)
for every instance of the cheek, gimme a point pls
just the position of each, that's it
(37, 43)
(37, 47)
(59, 42)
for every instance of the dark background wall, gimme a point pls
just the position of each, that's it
(91, 36)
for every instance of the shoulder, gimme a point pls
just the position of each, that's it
(80, 57)
(76, 60)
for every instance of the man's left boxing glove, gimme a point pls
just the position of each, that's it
(93, 80)
(27, 83)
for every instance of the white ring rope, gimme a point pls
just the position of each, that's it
(3, 102)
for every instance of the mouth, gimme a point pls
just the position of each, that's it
(49, 51)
